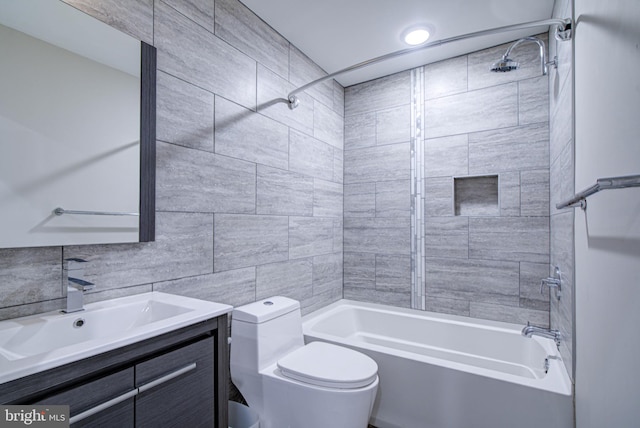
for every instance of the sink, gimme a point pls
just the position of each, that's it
(39, 342)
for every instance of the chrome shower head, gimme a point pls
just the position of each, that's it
(504, 65)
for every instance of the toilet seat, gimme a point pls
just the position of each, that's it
(331, 366)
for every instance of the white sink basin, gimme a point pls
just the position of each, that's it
(40, 342)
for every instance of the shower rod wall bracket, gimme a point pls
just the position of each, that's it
(563, 33)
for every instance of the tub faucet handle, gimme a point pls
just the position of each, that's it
(554, 281)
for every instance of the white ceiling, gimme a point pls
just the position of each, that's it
(339, 33)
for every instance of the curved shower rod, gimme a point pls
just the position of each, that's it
(563, 33)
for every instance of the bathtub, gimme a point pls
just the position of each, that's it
(445, 371)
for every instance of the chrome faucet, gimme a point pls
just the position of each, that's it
(532, 330)
(75, 286)
(553, 282)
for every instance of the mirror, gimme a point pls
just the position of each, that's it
(77, 129)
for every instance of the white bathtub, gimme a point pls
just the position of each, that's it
(445, 371)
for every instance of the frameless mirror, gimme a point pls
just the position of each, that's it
(77, 129)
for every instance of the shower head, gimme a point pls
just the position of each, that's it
(507, 64)
(504, 65)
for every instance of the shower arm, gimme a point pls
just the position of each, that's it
(563, 32)
(540, 43)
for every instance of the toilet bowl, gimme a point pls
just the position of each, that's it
(293, 385)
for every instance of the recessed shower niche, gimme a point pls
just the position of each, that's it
(476, 196)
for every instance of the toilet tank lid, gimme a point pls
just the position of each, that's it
(265, 310)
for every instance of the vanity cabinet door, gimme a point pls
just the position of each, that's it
(105, 402)
(176, 389)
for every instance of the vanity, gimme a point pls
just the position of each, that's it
(150, 360)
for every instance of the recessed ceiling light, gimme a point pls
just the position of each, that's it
(416, 36)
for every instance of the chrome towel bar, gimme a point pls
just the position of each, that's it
(61, 211)
(580, 199)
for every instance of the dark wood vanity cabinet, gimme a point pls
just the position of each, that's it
(178, 379)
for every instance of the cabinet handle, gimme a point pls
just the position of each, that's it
(119, 399)
(100, 407)
(166, 378)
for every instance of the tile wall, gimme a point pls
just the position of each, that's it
(485, 263)
(249, 193)
(562, 179)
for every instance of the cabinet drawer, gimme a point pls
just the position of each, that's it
(96, 393)
(186, 398)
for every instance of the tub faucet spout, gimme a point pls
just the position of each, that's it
(532, 330)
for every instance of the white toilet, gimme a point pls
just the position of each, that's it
(293, 385)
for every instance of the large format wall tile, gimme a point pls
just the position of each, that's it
(293, 279)
(534, 193)
(438, 196)
(447, 237)
(184, 113)
(531, 274)
(192, 180)
(561, 177)
(359, 270)
(533, 100)
(327, 199)
(474, 111)
(360, 200)
(402, 300)
(510, 238)
(310, 156)
(360, 130)
(446, 77)
(199, 11)
(509, 193)
(509, 314)
(509, 149)
(303, 70)
(381, 163)
(446, 156)
(327, 273)
(249, 240)
(377, 235)
(328, 126)
(243, 134)
(283, 192)
(393, 198)
(393, 273)
(310, 236)
(189, 52)
(389, 91)
(393, 125)
(241, 28)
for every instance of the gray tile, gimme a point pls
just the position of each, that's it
(338, 98)
(248, 240)
(359, 270)
(447, 306)
(446, 156)
(360, 200)
(328, 126)
(320, 300)
(476, 196)
(327, 199)
(447, 237)
(562, 248)
(243, 134)
(377, 235)
(527, 54)
(282, 192)
(561, 177)
(183, 247)
(302, 71)
(393, 125)
(338, 235)
(509, 194)
(530, 276)
(393, 273)
(510, 238)
(134, 17)
(191, 53)
(192, 180)
(509, 149)
(29, 275)
(31, 309)
(327, 273)
(509, 314)
(393, 198)
(338, 166)
(360, 130)
(272, 96)
(232, 287)
(533, 100)
(473, 280)
(242, 29)
(199, 11)
(293, 279)
(310, 236)
(468, 112)
(561, 119)
(382, 163)
(534, 193)
(184, 113)
(115, 293)
(378, 94)
(438, 196)
(446, 77)
(402, 300)
(310, 156)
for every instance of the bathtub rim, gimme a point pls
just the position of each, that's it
(556, 381)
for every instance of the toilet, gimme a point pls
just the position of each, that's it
(293, 385)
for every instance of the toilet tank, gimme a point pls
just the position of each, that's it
(264, 331)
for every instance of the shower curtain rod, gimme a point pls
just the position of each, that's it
(563, 33)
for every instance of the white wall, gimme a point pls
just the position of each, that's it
(607, 236)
